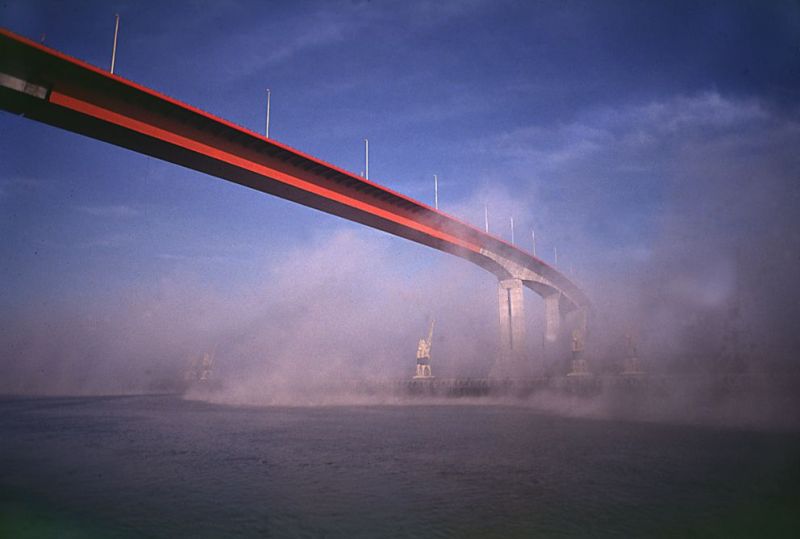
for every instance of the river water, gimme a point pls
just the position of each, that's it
(161, 466)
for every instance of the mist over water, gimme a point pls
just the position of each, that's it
(333, 311)
(711, 292)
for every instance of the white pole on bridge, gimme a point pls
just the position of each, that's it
(435, 192)
(555, 255)
(486, 217)
(366, 158)
(269, 95)
(533, 237)
(114, 48)
(512, 231)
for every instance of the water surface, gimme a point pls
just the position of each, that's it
(156, 466)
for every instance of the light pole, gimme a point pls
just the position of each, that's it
(114, 48)
(435, 192)
(366, 159)
(269, 95)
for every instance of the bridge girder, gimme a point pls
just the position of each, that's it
(48, 86)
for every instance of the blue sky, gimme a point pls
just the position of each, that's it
(636, 137)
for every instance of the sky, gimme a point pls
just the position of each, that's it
(653, 144)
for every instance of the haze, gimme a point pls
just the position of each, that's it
(655, 147)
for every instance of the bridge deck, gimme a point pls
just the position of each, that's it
(51, 87)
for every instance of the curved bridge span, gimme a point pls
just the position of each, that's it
(48, 86)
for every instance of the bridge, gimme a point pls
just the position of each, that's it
(51, 87)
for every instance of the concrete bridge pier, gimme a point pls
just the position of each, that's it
(512, 361)
(512, 317)
(552, 317)
(555, 348)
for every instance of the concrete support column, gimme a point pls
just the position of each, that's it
(552, 317)
(512, 319)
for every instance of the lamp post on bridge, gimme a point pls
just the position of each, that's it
(269, 95)
(114, 48)
(366, 159)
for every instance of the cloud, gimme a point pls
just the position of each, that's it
(640, 160)
(271, 36)
(114, 211)
(258, 45)
(706, 110)
(108, 241)
(652, 202)
(627, 132)
(322, 29)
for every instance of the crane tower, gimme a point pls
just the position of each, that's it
(424, 356)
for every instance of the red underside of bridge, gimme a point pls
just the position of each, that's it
(67, 93)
